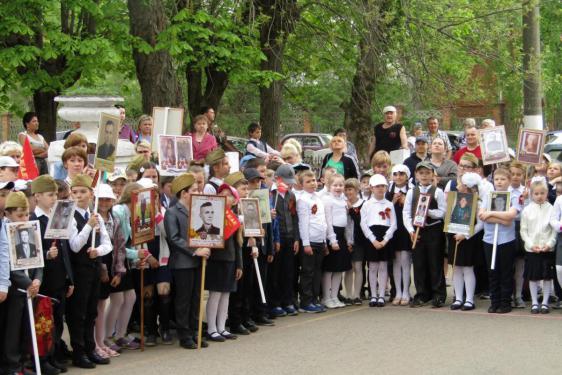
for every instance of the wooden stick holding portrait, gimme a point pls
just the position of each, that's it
(420, 216)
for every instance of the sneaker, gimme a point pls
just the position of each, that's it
(348, 301)
(127, 344)
(330, 304)
(278, 312)
(166, 337)
(310, 309)
(357, 302)
(321, 307)
(290, 310)
(340, 304)
(150, 340)
(110, 343)
(519, 303)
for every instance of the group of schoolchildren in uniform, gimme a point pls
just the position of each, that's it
(320, 250)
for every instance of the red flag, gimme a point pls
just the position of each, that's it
(231, 223)
(44, 325)
(28, 169)
(281, 186)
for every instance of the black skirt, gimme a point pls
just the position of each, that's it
(220, 276)
(559, 250)
(126, 281)
(105, 290)
(466, 251)
(539, 266)
(338, 260)
(380, 255)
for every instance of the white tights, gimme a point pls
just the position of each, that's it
(378, 273)
(534, 289)
(559, 274)
(331, 282)
(120, 309)
(354, 280)
(217, 311)
(401, 273)
(518, 276)
(462, 276)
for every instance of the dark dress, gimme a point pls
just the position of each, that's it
(220, 275)
(540, 266)
(466, 251)
(381, 255)
(401, 239)
(360, 242)
(338, 260)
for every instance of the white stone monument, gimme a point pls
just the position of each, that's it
(86, 110)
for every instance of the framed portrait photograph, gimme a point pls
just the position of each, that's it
(493, 144)
(499, 201)
(206, 222)
(144, 207)
(263, 197)
(60, 220)
(250, 208)
(461, 213)
(184, 152)
(530, 146)
(166, 121)
(24, 243)
(106, 148)
(167, 152)
(421, 210)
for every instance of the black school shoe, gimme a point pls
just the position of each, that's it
(504, 309)
(263, 321)
(250, 325)
(416, 302)
(438, 302)
(61, 366)
(493, 309)
(240, 330)
(48, 369)
(188, 343)
(97, 359)
(83, 362)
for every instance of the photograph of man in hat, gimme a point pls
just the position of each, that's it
(207, 229)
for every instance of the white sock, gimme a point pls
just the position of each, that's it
(397, 274)
(546, 288)
(518, 276)
(406, 265)
(382, 278)
(373, 270)
(326, 285)
(358, 278)
(534, 289)
(222, 313)
(458, 283)
(470, 282)
(336, 283)
(348, 283)
(212, 310)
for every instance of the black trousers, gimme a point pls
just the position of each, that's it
(311, 274)
(240, 303)
(186, 301)
(281, 275)
(83, 309)
(259, 309)
(427, 259)
(15, 316)
(501, 277)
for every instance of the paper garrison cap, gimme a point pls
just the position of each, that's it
(234, 178)
(17, 199)
(215, 156)
(136, 163)
(81, 180)
(43, 183)
(181, 182)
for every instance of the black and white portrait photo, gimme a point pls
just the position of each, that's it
(206, 223)
(530, 146)
(60, 220)
(499, 201)
(249, 208)
(421, 210)
(493, 143)
(107, 142)
(24, 241)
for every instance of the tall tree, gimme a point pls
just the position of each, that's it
(47, 46)
(281, 16)
(155, 70)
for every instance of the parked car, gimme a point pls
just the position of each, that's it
(553, 145)
(239, 143)
(309, 141)
(454, 136)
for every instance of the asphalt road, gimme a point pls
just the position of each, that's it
(364, 340)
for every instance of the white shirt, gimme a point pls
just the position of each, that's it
(517, 192)
(79, 239)
(535, 226)
(336, 215)
(556, 215)
(312, 225)
(437, 213)
(210, 189)
(39, 212)
(259, 153)
(370, 215)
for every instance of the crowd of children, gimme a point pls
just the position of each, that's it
(347, 242)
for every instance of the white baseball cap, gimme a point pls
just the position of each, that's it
(105, 191)
(389, 108)
(401, 168)
(377, 180)
(7, 161)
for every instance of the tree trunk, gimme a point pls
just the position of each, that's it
(46, 110)
(216, 83)
(155, 71)
(282, 15)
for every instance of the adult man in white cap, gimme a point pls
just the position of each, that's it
(388, 135)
